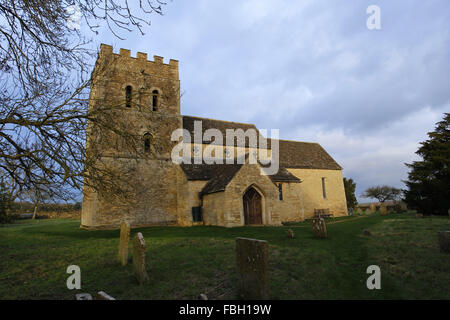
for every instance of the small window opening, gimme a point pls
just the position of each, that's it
(147, 142)
(155, 99)
(324, 191)
(280, 191)
(128, 92)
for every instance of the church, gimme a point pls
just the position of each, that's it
(146, 95)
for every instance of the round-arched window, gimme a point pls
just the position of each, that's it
(147, 140)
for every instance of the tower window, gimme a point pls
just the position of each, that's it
(155, 99)
(324, 191)
(280, 191)
(128, 92)
(147, 142)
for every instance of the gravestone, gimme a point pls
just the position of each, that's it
(252, 266)
(372, 208)
(290, 234)
(444, 240)
(124, 242)
(319, 228)
(139, 258)
(83, 296)
(383, 210)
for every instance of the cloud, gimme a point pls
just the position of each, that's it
(378, 158)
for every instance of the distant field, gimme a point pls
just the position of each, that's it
(184, 262)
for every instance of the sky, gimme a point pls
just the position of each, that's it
(312, 69)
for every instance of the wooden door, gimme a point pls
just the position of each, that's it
(252, 207)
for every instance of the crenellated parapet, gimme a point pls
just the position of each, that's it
(141, 61)
(135, 83)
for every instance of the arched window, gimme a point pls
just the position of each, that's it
(155, 99)
(128, 93)
(146, 139)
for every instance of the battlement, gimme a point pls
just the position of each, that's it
(107, 50)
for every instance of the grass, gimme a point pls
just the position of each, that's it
(184, 262)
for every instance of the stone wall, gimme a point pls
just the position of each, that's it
(226, 208)
(153, 202)
(312, 191)
(188, 197)
(291, 207)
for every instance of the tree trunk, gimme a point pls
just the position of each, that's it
(35, 211)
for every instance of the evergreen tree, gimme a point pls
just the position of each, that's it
(428, 184)
(350, 187)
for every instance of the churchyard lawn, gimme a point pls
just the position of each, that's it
(185, 262)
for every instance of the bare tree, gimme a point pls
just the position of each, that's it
(382, 193)
(45, 75)
(37, 197)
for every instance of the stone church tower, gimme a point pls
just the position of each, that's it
(145, 95)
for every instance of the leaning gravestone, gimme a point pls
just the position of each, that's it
(124, 242)
(139, 258)
(444, 240)
(252, 266)
(319, 228)
(383, 210)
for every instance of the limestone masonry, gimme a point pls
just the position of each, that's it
(146, 95)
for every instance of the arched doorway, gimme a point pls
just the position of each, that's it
(252, 207)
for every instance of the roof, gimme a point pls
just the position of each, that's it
(305, 155)
(293, 154)
(222, 178)
(283, 175)
(200, 171)
(222, 126)
(220, 175)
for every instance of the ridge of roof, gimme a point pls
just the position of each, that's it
(211, 119)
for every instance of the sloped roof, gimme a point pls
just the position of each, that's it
(222, 126)
(220, 175)
(200, 171)
(283, 175)
(222, 178)
(293, 154)
(305, 155)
